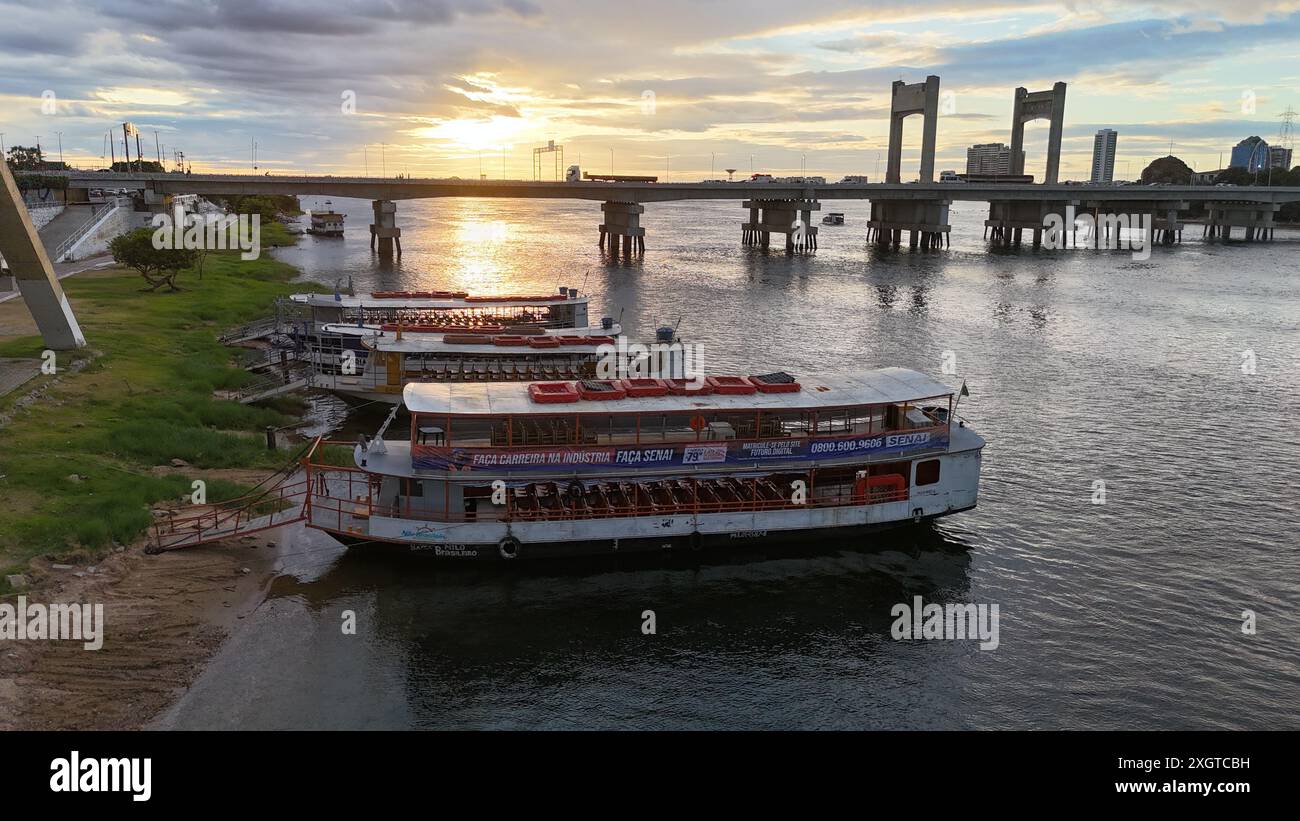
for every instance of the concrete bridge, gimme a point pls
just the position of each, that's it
(919, 208)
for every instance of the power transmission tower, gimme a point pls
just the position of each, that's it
(1285, 138)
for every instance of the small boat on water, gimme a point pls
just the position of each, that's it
(353, 317)
(327, 223)
(396, 355)
(502, 471)
(833, 218)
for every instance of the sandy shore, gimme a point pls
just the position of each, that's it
(164, 617)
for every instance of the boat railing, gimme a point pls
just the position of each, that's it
(343, 497)
(278, 504)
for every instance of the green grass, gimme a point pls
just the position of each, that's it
(144, 397)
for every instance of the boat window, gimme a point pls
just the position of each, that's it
(534, 431)
(850, 421)
(672, 427)
(609, 429)
(475, 432)
(785, 423)
(727, 425)
(430, 429)
(927, 472)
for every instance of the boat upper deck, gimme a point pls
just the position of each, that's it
(877, 387)
(421, 342)
(372, 302)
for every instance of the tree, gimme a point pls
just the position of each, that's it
(143, 166)
(25, 158)
(1167, 169)
(200, 257)
(269, 206)
(158, 266)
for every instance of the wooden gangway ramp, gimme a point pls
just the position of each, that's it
(279, 500)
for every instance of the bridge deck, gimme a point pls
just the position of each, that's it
(373, 188)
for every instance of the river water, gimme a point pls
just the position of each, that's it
(1083, 366)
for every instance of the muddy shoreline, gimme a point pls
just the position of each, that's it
(164, 617)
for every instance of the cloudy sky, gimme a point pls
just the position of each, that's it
(446, 87)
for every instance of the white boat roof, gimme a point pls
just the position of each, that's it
(450, 303)
(424, 342)
(877, 387)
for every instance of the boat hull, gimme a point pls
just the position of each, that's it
(531, 544)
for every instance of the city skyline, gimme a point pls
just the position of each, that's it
(788, 88)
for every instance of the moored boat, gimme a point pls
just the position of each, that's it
(327, 223)
(337, 322)
(395, 356)
(501, 471)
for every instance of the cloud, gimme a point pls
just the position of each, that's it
(729, 75)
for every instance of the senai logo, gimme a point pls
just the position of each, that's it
(77, 774)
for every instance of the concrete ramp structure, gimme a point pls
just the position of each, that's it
(34, 276)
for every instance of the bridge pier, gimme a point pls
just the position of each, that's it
(1167, 228)
(384, 229)
(926, 222)
(1257, 219)
(791, 217)
(622, 226)
(1009, 219)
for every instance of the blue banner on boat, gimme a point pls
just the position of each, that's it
(703, 454)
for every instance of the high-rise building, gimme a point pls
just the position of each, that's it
(1103, 155)
(1250, 154)
(990, 158)
(1279, 158)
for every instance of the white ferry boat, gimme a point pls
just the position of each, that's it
(327, 223)
(394, 356)
(565, 309)
(425, 311)
(505, 471)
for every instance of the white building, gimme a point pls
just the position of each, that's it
(1103, 156)
(990, 158)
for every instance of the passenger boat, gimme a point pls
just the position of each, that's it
(396, 355)
(565, 309)
(833, 218)
(505, 471)
(354, 317)
(327, 223)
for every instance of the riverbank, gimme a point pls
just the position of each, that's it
(85, 454)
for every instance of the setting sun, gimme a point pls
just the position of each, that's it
(478, 135)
